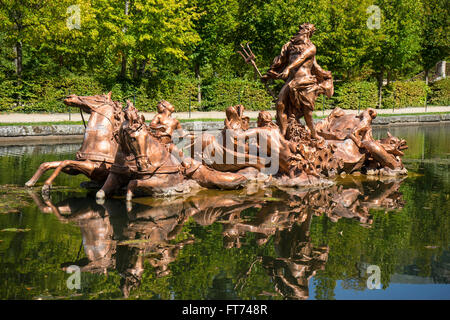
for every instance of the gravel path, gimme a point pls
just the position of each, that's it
(55, 117)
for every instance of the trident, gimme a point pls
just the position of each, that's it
(249, 58)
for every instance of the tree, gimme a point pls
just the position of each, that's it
(216, 27)
(435, 34)
(20, 21)
(395, 45)
(161, 32)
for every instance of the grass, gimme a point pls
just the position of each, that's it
(50, 123)
(411, 114)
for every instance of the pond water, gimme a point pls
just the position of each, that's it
(359, 239)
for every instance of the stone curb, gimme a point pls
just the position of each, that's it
(49, 130)
(73, 130)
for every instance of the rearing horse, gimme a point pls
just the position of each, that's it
(96, 155)
(156, 167)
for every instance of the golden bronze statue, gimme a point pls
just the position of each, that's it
(123, 153)
(305, 79)
(97, 152)
(157, 169)
(352, 137)
(163, 124)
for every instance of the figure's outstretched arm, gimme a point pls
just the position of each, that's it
(180, 131)
(278, 62)
(319, 72)
(155, 121)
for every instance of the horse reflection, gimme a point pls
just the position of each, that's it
(124, 239)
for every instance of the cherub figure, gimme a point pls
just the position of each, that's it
(164, 125)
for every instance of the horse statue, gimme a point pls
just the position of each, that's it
(96, 155)
(155, 168)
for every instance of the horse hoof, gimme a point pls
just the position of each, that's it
(129, 206)
(100, 194)
(129, 196)
(29, 184)
(46, 189)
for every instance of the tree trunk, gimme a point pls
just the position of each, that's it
(18, 59)
(123, 71)
(135, 69)
(427, 71)
(199, 87)
(380, 88)
(142, 67)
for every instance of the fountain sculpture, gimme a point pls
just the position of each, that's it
(121, 151)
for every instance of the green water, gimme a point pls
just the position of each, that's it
(250, 244)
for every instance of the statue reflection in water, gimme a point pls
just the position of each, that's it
(117, 237)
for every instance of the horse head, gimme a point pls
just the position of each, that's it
(88, 102)
(101, 104)
(134, 137)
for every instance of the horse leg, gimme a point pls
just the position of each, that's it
(43, 207)
(41, 170)
(85, 167)
(210, 178)
(157, 181)
(112, 183)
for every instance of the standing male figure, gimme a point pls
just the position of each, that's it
(305, 79)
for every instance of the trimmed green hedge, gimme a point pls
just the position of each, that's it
(440, 93)
(348, 95)
(45, 95)
(404, 94)
(222, 93)
(180, 91)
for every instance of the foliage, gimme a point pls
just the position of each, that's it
(186, 49)
(405, 94)
(394, 46)
(435, 40)
(222, 93)
(349, 94)
(440, 93)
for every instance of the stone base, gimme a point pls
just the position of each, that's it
(185, 187)
(387, 172)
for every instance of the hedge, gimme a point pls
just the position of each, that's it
(440, 93)
(222, 93)
(348, 95)
(45, 95)
(404, 94)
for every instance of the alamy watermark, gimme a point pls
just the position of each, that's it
(74, 20)
(374, 280)
(248, 148)
(374, 20)
(74, 281)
